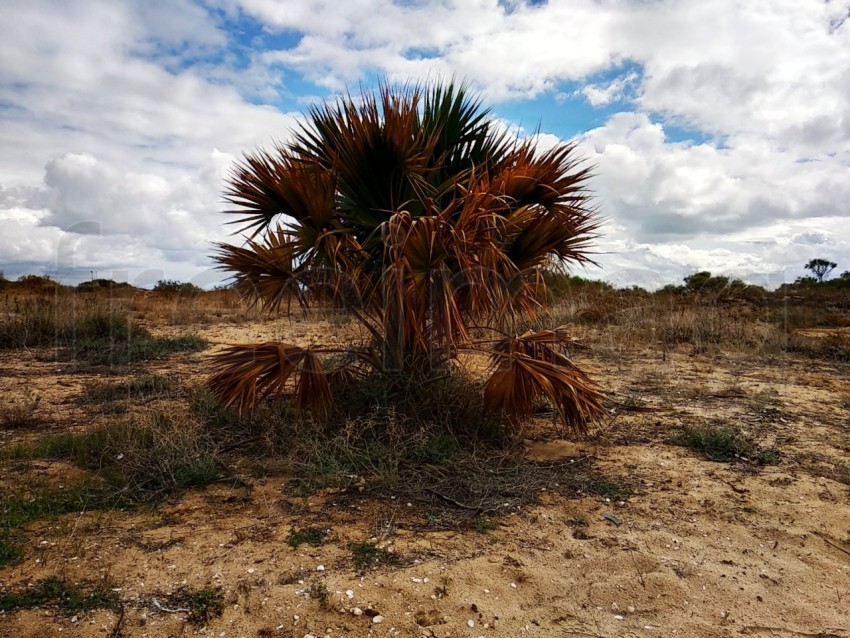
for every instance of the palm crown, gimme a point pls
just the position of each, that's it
(431, 225)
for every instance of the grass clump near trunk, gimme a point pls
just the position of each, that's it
(412, 210)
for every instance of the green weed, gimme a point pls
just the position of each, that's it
(319, 591)
(203, 604)
(365, 555)
(69, 598)
(310, 535)
(724, 443)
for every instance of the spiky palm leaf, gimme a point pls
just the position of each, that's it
(530, 367)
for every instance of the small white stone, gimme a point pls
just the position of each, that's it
(73, 619)
(357, 611)
(470, 623)
(416, 580)
(630, 609)
(320, 568)
(251, 570)
(377, 619)
(349, 593)
(618, 617)
(724, 613)
(513, 585)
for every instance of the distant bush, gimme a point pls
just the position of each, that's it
(96, 285)
(35, 284)
(172, 287)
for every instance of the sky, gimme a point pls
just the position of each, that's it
(719, 131)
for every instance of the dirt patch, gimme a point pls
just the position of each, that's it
(625, 534)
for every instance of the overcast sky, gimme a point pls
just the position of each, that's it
(720, 129)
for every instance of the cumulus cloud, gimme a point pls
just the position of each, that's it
(119, 119)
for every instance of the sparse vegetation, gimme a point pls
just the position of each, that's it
(365, 555)
(725, 443)
(93, 330)
(318, 591)
(142, 387)
(310, 535)
(202, 604)
(10, 551)
(140, 459)
(20, 411)
(55, 593)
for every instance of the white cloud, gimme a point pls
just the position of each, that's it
(112, 111)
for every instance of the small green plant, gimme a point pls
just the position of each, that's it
(142, 459)
(20, 412)
(10, 552)
(44, 500)
(319, 591)
(716, 443)
(484, 525)
(767, 457)
(724, 443)
(69, 598)
(310, 535)
(202, 604)
(365, 555)
(609, 489)
(442, 590)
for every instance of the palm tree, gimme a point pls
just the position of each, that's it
(415, 211)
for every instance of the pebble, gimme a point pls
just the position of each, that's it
(470, 623)
(357, 611)
(619, 617)
(630, 609)
(377, 619)
(320, 568)
(724, 613)
(513, 585)
(251, 570)
(349, 593)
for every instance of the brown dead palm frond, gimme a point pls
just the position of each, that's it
(246, 373)
(530, 367)
(265, 271)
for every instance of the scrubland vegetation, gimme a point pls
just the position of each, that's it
(404, 389)
(147, 429)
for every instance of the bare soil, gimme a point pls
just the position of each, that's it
(699, 548)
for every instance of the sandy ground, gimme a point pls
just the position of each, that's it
(703, 548)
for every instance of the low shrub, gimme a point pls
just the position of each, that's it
(725, 443)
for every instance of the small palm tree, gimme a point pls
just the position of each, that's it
(416, 212)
